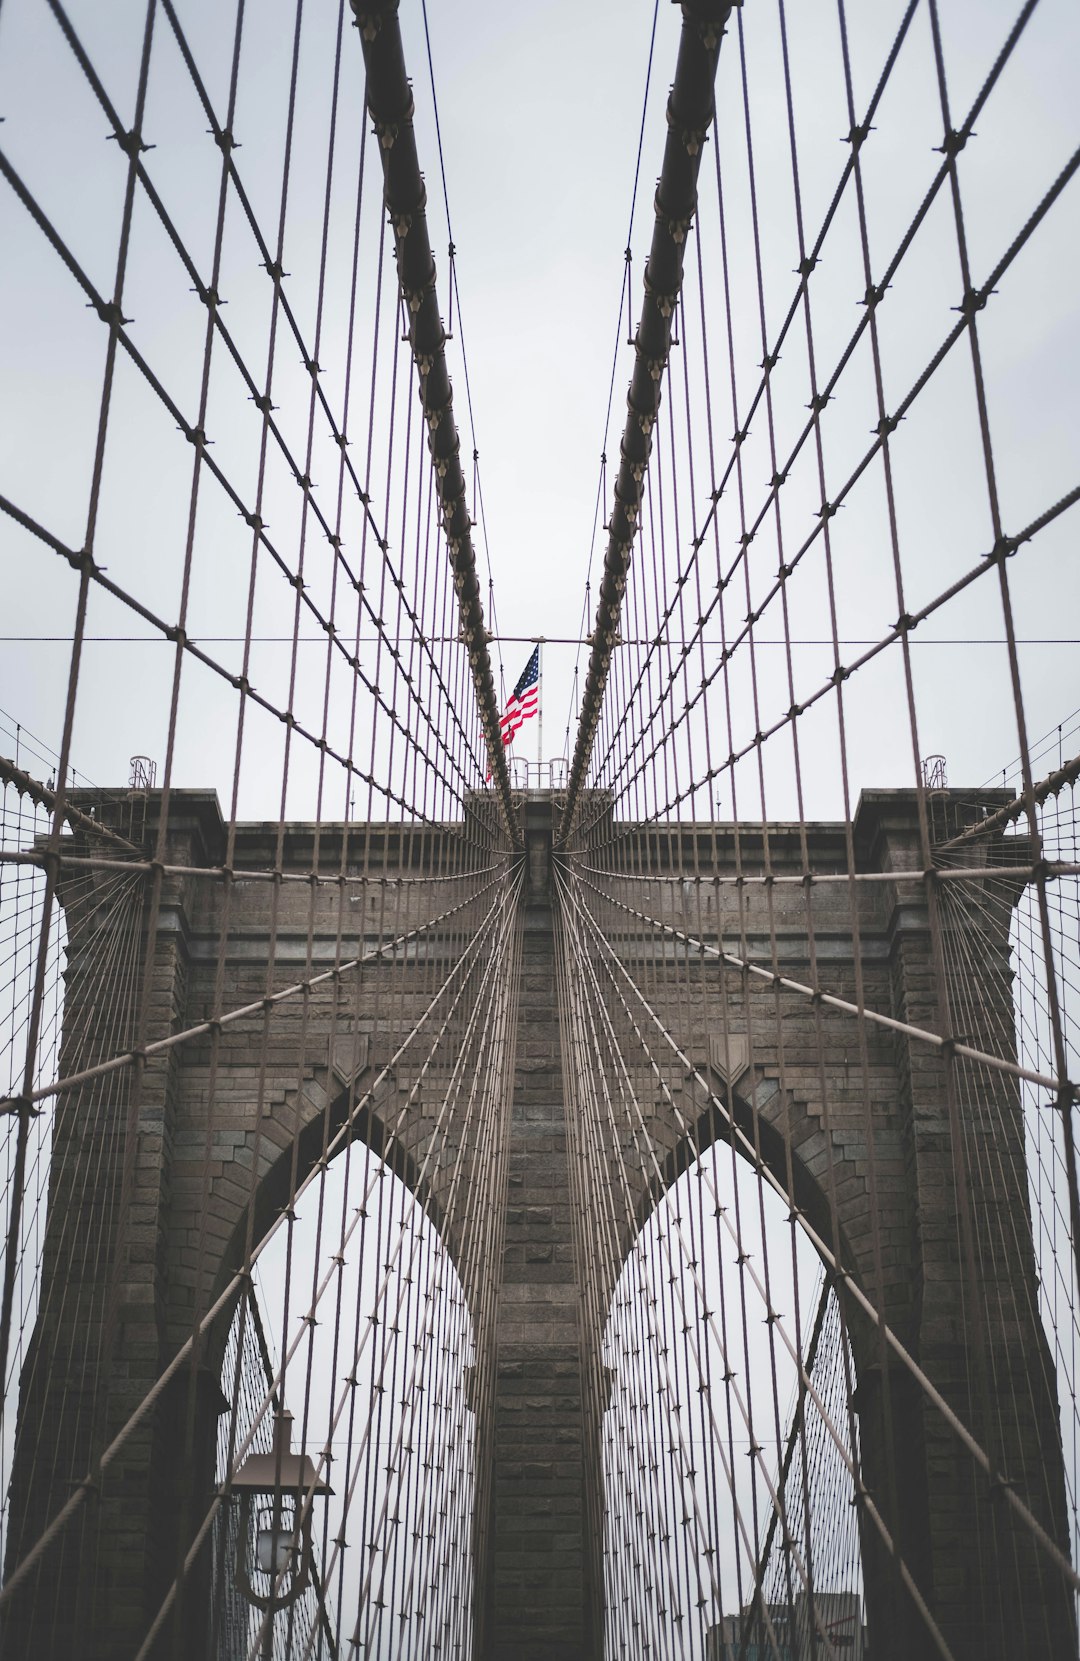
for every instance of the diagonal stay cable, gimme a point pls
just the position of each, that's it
(226, 143)
(899, 630)
(40, 794)
(875, 295)
(611, 963)
(246, 1011)
(172, 632)
(843, 1276)
(242, 1277)
(844, 1005)
(974, 300)
(504, 905)
(132, 144)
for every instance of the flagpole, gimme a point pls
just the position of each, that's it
(539, 713)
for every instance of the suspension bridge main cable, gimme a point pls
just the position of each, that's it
(690, 114)
(390, 103)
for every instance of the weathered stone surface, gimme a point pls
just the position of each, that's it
(203, 1152)
(539, 1602)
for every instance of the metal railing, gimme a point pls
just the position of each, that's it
(538, 775)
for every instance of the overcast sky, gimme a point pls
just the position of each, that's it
(540, 112)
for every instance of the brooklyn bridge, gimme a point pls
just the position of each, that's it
(581, 1167)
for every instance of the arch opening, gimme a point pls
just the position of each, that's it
(378, 1383)
(729, 1527)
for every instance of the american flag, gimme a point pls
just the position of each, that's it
(524, 701)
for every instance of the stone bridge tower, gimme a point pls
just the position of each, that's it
(779, 1067)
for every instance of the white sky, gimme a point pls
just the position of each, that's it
(540, 110)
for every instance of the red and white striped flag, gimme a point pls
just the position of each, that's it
(524, 701)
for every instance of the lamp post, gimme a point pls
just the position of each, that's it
(277, 1482)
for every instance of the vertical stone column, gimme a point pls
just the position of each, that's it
(973, 1323)
(539, 1597)
(98, 1345)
